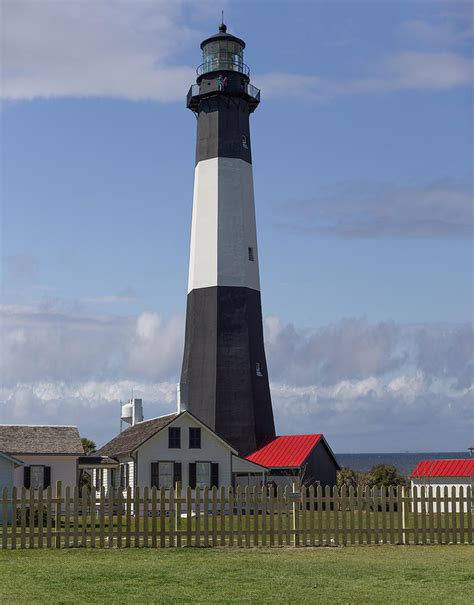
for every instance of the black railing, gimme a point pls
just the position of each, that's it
(195, 94)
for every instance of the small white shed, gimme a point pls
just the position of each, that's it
(443, 473)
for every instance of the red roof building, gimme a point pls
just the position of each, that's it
(307, 456)
(448, 476)
(444, 468)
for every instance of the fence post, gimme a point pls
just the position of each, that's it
(296, 509)
(92, 500)
(14, 506)
(177, 515)
(405, 492)
(5, 517)
(280, 520)
(461, 514)
(57, 516)
(469, 510)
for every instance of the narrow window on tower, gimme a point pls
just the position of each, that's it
(245, 141)
(258, 368)
(251, 255)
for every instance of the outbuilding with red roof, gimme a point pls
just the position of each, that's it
(445, 474)
(303, 458)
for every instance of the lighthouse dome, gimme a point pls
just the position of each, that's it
(223, 52)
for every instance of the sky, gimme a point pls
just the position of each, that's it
(362, 158)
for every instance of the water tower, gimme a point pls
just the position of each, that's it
(132, 412)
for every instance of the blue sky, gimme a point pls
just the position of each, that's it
(362, 152)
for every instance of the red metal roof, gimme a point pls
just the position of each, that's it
(444, 468)
(285, 451)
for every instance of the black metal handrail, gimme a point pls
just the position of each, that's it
(222, 65)
(252, 95)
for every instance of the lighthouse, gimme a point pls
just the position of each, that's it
(224, 378)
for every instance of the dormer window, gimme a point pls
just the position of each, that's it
(174, 437)
(258, 369)
(194, 437)
(245, 141)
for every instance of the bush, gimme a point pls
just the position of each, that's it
(385, 475)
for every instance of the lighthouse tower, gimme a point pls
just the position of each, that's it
(224, 379)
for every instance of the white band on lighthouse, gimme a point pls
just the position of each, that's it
(223, 233)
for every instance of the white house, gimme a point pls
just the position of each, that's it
(443, 473)
(48, 453)
(164, 450)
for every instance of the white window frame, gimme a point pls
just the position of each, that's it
(207, 480)
(32, 476)
(161, 463)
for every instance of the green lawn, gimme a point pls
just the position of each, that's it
(363, 574)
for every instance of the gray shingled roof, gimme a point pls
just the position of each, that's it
(134, 436)
(37, 439)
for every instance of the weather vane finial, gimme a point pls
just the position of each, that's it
(222, 27)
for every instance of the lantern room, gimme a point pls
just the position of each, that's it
(223, 52)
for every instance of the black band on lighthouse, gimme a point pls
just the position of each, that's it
(223, 129)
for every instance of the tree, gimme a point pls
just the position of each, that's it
(385, 475)
(89, 446)
(346, 477)
(85, 479)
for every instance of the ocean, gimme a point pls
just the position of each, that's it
(405, 462)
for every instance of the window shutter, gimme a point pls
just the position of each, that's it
(27, 477)
(46, 476)
(177, 473)
(214, 474)
(192, 475)
(155, 474)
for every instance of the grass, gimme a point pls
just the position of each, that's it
(363, 574)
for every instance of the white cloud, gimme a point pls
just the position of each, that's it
(48, 343)
(367, 386)
(105, 48)
(435, 210)
(401, 71)
(135, 50)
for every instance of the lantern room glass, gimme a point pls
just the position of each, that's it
(223, 54)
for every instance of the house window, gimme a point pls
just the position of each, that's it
(166, 474)
(203, 474)
(194, 437)
(251, 255)
(258, 369)
(37, 477)
(124, 475)
(245, 141)
(174, 437)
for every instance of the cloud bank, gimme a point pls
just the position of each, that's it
(435, 210)
(134, 51)
(367, 386)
